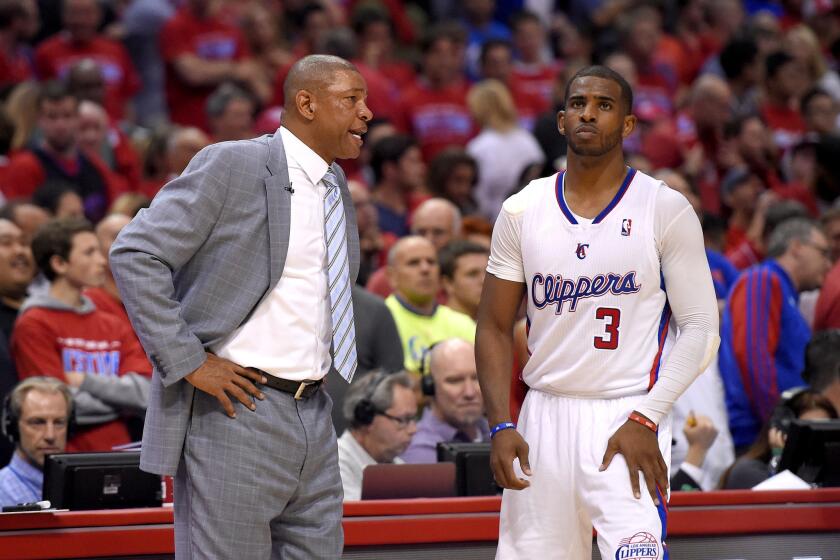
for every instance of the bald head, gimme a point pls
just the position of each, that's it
(312, 73)
(450, 351)
(108, 229)
(182, 146)
(86, 80)
(711, 102)
(438, 220)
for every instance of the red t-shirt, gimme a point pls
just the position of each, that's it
(787, 125)
(49, 342)
(529, 106)
(111, 305)
(536, 79)
(14, 67)
(437, 118)
(209, 39)
(56, 55)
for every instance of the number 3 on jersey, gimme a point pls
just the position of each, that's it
(612, 316)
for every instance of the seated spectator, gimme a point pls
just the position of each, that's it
(399, 175)
(15, 66)
(230, 113)
(477, 230)
(371, 242)
(819, 110)
(700, 433)
(35, 416)
(822, 365)
(179, 146)
(784, 77)
(434, 108)
(380, 410)
(462, 268)
(59, 157)
(453, 174)
(200, 51)
(61, 334)
(60, 199)
(438, 220)
(456, 409)
(827, 312)
(533, 68)
(17, 270)
(80, 39)
(414, 272)
(503, 149)
(761, 460)
(497, 64)
(763, 333)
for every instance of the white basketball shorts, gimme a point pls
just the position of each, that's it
(568, 496)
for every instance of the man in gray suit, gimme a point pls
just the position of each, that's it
(239, 276)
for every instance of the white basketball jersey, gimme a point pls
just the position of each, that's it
(597, 311)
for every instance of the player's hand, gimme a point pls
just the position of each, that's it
(506, 446)
(640, 449)
(220, 378)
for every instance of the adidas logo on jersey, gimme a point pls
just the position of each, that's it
(556, 290)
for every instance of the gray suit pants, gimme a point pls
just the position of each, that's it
(263, 485)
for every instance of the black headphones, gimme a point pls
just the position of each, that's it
(9, 420)
(365, 411)
(783, 414)
(427, 382)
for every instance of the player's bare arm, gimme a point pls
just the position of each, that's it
(500, 299)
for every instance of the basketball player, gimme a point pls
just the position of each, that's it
(612, 264)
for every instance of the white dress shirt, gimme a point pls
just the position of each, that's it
(290, 332)
(352, 460)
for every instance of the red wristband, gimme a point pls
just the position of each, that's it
(636, 417)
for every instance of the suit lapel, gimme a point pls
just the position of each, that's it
(279, 208)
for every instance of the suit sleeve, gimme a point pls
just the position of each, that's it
(157, 243)
(756, 308)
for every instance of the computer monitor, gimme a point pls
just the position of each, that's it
(473, 476)
(812, 451)
(112, 480)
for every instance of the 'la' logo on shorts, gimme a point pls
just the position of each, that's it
(626, 223)
(638, 547)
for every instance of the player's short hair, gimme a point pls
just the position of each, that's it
(56, 238)
(448, 256)
(785, 233)
(605, 73)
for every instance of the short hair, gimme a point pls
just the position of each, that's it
(222, 96)
(733, 128)
(822, 359)
(368, 14)
(341, 42)
(493, 44)
(447, 30)
(389, 149)
(799, 229)
(444, 164)
(448, 256)
(54, 91)
(524, 16)
(812, 94)
(737, 55)
(56, 238)
(607, 74)
(782, 211)
(774, 62)
(39, 383)
(377, 386)
(311, 69)
(48, 195)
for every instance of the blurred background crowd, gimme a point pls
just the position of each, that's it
(102, 102)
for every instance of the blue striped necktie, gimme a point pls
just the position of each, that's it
(338, 280)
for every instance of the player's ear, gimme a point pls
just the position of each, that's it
(629, 125)
(561, 122)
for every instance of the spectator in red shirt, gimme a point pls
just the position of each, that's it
(377, 47)
(230, 112)
(61, 334)
(200, 52)
(785, 81)
(533, 66)
(78, 40)
(58, 157)
(496, 63)
(434, 110)
(14, 65)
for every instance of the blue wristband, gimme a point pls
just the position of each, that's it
(501, 426)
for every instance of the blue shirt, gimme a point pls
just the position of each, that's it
(724, 273)
(431, 430)
(20, 482)
(762, 347)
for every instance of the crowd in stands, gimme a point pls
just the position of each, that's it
(102, 102)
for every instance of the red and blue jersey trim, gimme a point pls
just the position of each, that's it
(561, 201)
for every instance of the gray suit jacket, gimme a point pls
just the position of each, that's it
(194, 266)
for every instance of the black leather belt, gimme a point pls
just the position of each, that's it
(300, 389)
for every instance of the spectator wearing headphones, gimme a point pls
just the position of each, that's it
(456, 409)
(36, 417)
(380, 409)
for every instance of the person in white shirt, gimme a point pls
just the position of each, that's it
(607, 258)
(381, 410)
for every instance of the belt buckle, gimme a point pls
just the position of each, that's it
(301, 388)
